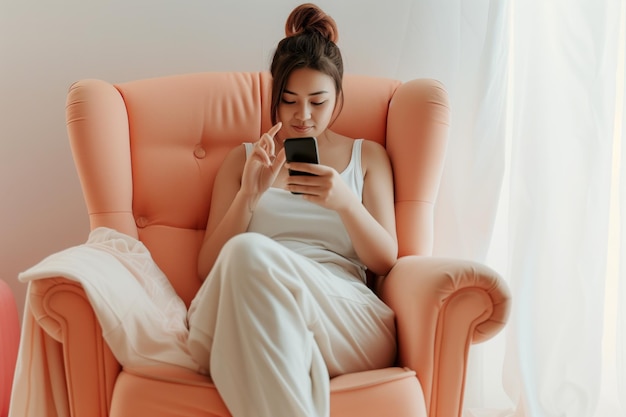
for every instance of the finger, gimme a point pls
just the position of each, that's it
(267, 140)
(261, 154)
(271, 133)
(309, 181)
(303, 189)
(280, 157)
(265, 143)
(279, 161)
(314, 169)
(274, 130)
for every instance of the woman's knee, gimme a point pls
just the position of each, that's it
(248, 250)
(246, 245)
(246, 258)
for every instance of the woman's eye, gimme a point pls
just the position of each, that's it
(288, 102)
(319, 103)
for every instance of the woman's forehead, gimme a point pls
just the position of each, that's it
(307, 81)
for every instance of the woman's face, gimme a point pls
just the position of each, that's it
(307, 104)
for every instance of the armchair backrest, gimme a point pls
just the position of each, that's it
(147, 152)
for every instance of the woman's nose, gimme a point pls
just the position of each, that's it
(303, 112)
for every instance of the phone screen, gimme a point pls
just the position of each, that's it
(301, 150)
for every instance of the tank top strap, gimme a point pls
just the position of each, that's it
(356, 157)
(248, 146)
(353, 174)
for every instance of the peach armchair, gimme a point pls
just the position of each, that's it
(147, 152)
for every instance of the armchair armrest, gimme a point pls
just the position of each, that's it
(99, 303)
(62, 309)
(442, 306)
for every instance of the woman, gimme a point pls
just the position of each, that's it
(284, 306)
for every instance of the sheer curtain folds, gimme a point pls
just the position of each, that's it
(536, 151)
(564, 108)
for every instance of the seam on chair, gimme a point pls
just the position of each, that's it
(77, 290)
(138, 373)
(169, 226)
(110, 212)
(415, 201)
(438, 337)
(409, 373)
(127, 113)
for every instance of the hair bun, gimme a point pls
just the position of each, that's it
(310, 18)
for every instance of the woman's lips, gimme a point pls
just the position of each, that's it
(302, 129)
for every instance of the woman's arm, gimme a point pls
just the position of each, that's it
(229, 214)
(239, 184)
(372, 225)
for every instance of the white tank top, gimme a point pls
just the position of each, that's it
(309, 229)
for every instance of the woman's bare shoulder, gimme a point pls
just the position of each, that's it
(233, 163)
(373, 154)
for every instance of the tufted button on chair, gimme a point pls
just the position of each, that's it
(147, 152)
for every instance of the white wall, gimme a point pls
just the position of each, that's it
(45, 46)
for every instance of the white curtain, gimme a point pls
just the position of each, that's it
(563, 124)
(537, 95)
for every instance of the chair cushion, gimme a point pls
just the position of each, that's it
(166, 391)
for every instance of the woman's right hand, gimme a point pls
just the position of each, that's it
(262, 166)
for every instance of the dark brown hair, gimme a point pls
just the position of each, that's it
(310, 42)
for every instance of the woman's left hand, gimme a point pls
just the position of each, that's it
(325, 187)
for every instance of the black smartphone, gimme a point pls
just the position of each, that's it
(301, 150)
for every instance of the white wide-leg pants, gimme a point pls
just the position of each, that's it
(271, 327)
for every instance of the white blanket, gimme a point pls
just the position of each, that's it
(143, 320)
